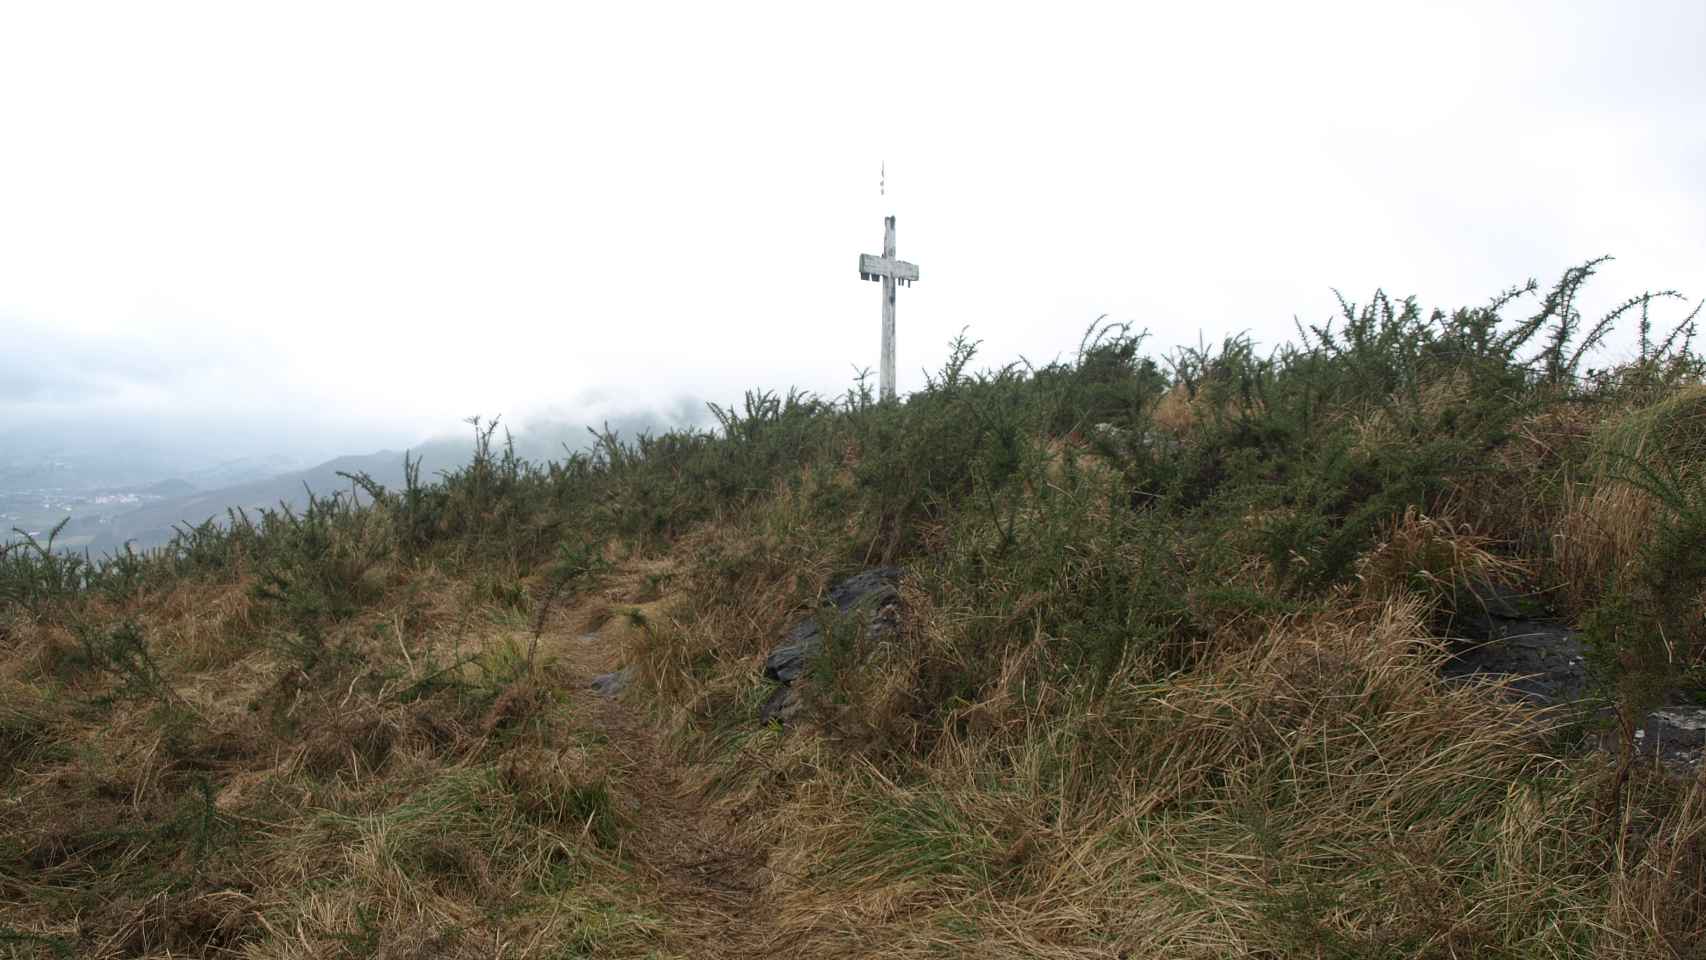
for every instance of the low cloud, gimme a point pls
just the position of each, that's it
(46, 366)
(553, 431)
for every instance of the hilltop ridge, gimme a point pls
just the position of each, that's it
(1168, 660)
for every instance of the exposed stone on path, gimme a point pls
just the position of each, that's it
(872, 594)
(614, 682)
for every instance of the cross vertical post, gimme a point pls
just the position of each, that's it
(887, 377)
(890, 271)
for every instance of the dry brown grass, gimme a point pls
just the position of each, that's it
(1180, 410)
(1598, 537)
(733, 589)
(440, 784)
(1320, 792)
(1662, 897)
(1010, 841)
(1066, 456)
(1433, 557)
(1177, 411)
(1606, 520)
(270, 809)
(1380, 426)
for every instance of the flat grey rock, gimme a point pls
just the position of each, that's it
(1482, 603)
(610, 684)
(1498, 632)
(1680, 726)
(1547, 661)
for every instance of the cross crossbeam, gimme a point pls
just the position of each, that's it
(876, 268)
(890, 270)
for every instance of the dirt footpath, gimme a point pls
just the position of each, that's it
(705, 884)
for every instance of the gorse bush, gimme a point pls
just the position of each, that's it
(123, 652)
(34, 575)
(1650, 624)
(1223, 481)
(317, 563)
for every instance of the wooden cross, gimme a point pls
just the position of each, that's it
(889, 270)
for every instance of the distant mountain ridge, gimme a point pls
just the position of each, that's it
(152, 525)
(241, 470)
(192, 500)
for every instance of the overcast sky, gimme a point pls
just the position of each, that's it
(388, 217)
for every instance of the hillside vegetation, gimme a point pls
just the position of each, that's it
(1167, 681)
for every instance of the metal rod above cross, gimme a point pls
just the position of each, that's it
(890, 271)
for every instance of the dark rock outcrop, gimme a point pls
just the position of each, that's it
(1683, 727)
(782, 704)
(1501, 634)
(872, 595)
(872, 592)
(1546, 664)
(1546, 660)
(1676, 735)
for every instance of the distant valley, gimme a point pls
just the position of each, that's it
(107, 502)
(102, 519)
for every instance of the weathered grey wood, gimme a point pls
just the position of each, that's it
(888, 312)
(875, 268)
(889, 270)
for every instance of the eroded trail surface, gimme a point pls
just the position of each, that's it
(704, 884)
